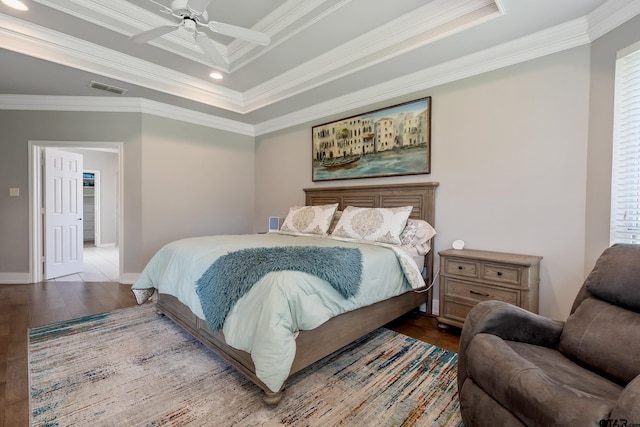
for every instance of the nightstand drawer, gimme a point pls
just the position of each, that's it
(456, 311)
(468, 277)
(477, 293)
(461, 268)
(502, 273)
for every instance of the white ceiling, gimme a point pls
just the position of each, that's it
(325, 57)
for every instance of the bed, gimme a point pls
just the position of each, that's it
(310, 345)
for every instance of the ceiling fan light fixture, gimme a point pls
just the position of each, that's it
(216, 75)
(16, 4)
(192, 19)
(189, 25)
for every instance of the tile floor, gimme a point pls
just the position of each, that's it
(100, 265)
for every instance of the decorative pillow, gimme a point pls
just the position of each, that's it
(373, 224)
(416, 234)
(309, 219)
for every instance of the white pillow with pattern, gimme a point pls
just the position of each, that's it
(417, 233)
(373, 224)
(309, 219)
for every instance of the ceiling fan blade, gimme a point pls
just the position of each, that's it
(153, 33)
(209, 49)
(240, 33)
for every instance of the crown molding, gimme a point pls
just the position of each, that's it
(126, 18)
(348, 58)
(195, 117)
(432, 21)
(610, 15)
(40, 42)
(121, 105)
(565, 36)
(574, 33)
(70, 103)
(544, 43)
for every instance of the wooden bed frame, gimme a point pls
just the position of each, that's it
(313, 345)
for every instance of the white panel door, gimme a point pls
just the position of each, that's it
(63, 237)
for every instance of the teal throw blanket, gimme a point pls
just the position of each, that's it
(232, 275)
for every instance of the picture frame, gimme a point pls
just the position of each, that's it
(390, 141)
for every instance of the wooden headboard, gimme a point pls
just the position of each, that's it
(421, 196)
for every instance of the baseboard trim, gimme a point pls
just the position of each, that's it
(25, 278)
(436, 307)
(14, 278)
(129, 278)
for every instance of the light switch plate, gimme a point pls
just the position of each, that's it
(14, 192)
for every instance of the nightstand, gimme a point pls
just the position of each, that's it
(469, 276)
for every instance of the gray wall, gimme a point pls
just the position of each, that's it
(603, 57)
(522, 154)
(179, 179)
(20, 127)
(509, 149)
(195, 181)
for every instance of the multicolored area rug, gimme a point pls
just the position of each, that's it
(133, 367)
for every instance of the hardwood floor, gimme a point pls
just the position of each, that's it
(425, 328)
(26, 306)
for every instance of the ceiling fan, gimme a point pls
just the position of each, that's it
(192, 16)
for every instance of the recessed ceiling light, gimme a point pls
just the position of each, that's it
(16, 4)
(216, 75)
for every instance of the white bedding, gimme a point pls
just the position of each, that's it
(264, 322)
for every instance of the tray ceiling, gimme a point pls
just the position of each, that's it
(345, 52)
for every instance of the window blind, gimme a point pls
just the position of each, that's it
(625, 184)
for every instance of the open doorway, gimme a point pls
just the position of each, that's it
(102, 249)
(91, 206)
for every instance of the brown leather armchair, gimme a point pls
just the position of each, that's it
(516, 368)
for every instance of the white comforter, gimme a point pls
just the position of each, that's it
(265, 320)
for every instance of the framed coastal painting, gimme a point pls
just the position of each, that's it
(391, 141)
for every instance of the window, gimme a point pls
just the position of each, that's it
(625, 183)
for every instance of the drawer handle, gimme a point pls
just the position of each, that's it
(499, 273)
(479, 293)
(460, 267)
